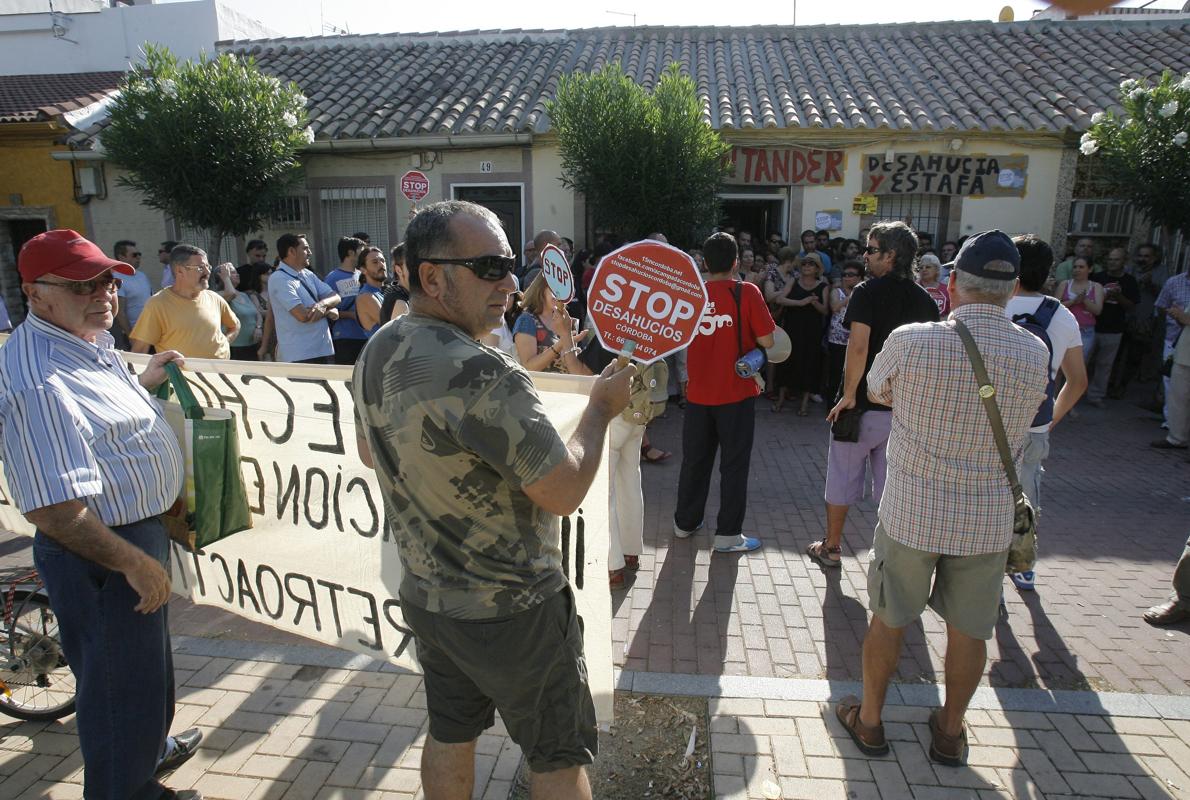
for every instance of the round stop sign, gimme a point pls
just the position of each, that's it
(557, 273)
(415, 185)
(648, 293)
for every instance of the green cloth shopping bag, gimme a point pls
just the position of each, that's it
(215, 499)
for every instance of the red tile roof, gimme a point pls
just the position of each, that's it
(1046, 76)
(34, 98)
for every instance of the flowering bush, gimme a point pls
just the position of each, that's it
(1144, 150)
(213, 144)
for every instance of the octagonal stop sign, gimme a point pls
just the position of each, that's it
(648, 293)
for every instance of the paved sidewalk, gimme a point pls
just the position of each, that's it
(290, 722)
(770, 637)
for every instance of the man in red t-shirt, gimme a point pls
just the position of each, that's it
(720, 414)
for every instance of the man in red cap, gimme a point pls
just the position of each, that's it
(92, 464)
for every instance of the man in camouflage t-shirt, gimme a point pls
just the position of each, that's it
(474, 478)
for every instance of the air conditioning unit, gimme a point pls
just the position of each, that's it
(1101, 218)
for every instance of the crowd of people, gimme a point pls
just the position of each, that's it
(882, 329)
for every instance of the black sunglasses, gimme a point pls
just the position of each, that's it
(488, 268)
(109, 283)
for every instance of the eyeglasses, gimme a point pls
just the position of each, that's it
(869, 251)
(488, 268)
(108, 283)
(197, 267)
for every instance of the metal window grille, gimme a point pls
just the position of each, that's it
(346, 210)
(291, 211)
(927, 212)
(1101, 217)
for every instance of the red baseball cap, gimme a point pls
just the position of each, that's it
(68, 255)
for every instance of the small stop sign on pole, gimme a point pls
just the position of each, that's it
(415, 185)
(557, 273)
(649, 294)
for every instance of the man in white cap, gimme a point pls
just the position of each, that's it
(92, 465)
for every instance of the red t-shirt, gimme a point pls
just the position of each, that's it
(712, 355)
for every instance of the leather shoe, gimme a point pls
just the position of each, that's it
(1168, 613)
(185, 746)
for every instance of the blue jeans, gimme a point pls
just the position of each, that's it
(121, 660)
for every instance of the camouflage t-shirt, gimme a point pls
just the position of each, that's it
(456, 431)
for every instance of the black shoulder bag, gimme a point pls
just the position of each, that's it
(1022, 552)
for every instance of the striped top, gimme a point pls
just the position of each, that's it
(76, 425)
(946, 490)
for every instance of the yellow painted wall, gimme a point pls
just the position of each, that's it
(27, 169)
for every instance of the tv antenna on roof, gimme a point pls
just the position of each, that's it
(625, 14)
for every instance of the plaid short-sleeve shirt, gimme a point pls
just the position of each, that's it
(946, 490)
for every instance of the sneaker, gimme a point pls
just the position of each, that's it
(736, 544)
(685, 534)
(1023, 580)
(817, 398)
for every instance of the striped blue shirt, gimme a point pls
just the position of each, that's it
(76, 425)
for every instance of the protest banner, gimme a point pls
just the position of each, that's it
(320, 560)
(647, 293)
(557, 273)
(784, 166)
(937, 173)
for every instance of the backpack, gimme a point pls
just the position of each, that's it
(1037, 324)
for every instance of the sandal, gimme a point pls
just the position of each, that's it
(944, 749)
(615, 578)
(632, 563)
(821, 553)
(660, 456)
(870, 741)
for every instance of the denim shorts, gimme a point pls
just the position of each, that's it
(529, 665)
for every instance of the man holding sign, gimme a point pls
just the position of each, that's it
(721, 405)
(474, 477)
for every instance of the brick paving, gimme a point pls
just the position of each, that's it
(1114, 523)
(1115, 519)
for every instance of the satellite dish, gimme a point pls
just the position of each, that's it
(1006, 14)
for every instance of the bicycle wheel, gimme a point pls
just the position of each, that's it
(40, 685)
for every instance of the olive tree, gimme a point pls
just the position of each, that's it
(645, 161)
(212, 143)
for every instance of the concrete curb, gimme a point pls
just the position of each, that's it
(1120, 704)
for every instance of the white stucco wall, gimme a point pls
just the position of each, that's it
(553, 204)
(112, 38)
(122, 215)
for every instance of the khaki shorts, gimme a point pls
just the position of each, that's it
(966, 589)
(530, 666)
